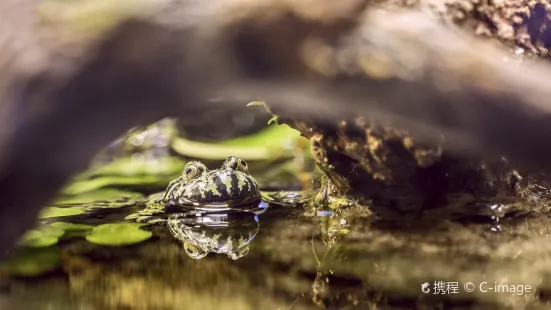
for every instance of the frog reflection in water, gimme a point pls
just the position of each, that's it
(203, 233)
(227, 188)
(231, 184)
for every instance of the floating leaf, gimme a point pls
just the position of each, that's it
(58, 212)
(70, 226)
(44, 237)
(71, 229)
(102, 194)
(119, 234)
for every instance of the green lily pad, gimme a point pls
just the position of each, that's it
(44, 237)
(50, 212)
(119, 234)
(49, 235)
(73, 230)
(70, 226)
(102, 194)
(33, 263)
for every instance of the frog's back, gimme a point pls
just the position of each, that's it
(227, 186)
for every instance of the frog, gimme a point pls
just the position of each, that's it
(230, 187)
(231, 184)
(220, 233)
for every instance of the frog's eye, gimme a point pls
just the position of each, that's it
(193, 251)
(242, 165)
(190, 172)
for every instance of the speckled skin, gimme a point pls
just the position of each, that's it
(231, 184)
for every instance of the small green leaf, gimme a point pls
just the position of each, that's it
(44, 237)
(119, 234)
(58, 212)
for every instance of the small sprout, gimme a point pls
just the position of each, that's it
(263, 104)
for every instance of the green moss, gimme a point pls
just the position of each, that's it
(119, 234)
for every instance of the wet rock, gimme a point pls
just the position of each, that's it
(522, 25)
(385, 167)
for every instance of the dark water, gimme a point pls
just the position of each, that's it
(304, 259)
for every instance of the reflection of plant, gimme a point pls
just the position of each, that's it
(32, 262)
(326, 197)
(332, 227)
(333, 250)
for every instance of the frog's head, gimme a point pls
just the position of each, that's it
(235, 163)
(193, 170)
(194, 251)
